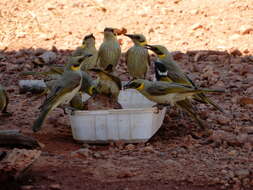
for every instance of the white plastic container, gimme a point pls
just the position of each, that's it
(136, 122)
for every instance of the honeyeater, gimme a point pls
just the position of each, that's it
(165, 93)
(66, 87)
(88, 46)
(109, 52)
(176, 74)
(137, 57)
(4, 100)
(161, 74)
(108, 84)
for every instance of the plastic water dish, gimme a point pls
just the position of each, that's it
(138, 121)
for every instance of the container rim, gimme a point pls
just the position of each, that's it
(115, 111)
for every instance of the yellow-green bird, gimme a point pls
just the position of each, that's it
(165, 93)
(108, 84)
(109, 52)
(63, 90)
(161, 74)
(137, 57)
(4, 101)
(88, 46)
(176, 74)
(89, 86)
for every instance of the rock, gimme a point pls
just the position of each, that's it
(223, 120)
(246, 29)
(242, 138)
(234, 37)
(55, 186)
(48, 57)
(245, 100)
(125, 174)
(235, 52)
(130, 147)
(172, 163)
(148, 149)
(83, 153)
(242, 173)
(27, 187)
(232, 153)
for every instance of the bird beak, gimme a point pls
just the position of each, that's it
(129, 35)
(88, 55)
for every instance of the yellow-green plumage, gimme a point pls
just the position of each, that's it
(137, 57)
(185, 105)
(176, 74)
(108, 84)
(165, 93)
(109, 52)
(63, 90)
(88, 46)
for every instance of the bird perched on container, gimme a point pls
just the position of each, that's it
(89, 86)
(137, 57)
(88, 46)
(109, 52)
(108, 84)
(161, 74)
(63, 90)
(176, 74)
(4, 101)
(165, 93)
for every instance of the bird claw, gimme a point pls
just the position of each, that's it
(158, 107)
(67, 108)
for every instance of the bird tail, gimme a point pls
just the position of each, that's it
(186, 106)
(212, 90)
(204, 99)
(39, 121)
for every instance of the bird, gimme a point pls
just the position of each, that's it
(137, 57)
(165, 93)
(109, 52)
(4, 101)
(89, 86)
(108, 84)
(63, 90)
(88, 46)
(161, 74)
(176, 74)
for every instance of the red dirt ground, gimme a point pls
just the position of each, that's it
(211, 40)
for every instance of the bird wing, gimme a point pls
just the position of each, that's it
(61, 87)
(116, 80)
(163, 88)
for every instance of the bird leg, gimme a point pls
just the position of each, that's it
(64, 107)
(158, 107)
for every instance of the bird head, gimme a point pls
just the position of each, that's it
(110, 32)
(159, 50)
(160, 70)
(137, 84)
(88, 40)
(74, 63)
(137, 39)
